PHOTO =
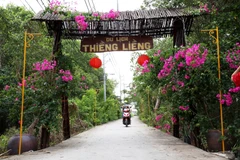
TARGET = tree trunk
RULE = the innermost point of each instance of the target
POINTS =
(176, 127)
(30, 129)
(65, 115)
(157, 104)
(45, 137)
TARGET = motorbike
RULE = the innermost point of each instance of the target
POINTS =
(126, 117)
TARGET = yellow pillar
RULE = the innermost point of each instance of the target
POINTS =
(23, 80)
(216, 40)
(26, 44)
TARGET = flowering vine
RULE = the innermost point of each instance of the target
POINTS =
(204, 8)
(233, 56)
(184, 108)
(82, 19)
(50, 65)
(66, 75)
(56, 7)
(233, 60)
(44, 66)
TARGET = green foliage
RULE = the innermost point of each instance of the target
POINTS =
(163, 118)
(5, 138)
(201, 90)
(3, 143)
(44, 101)
(92, 108)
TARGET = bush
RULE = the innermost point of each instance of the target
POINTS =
(4, 138)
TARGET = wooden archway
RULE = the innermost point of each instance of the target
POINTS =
(157, 23)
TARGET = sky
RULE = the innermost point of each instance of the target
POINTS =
(117, 64)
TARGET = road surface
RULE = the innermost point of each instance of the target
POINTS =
(113, 141)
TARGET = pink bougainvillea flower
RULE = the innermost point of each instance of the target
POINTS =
(174, 88)
(103, 16)
(174, 120)
(234, 90)
(145, 67)
(95, 14)
(20, 84)
(158, 117)
(151, 65)
(66, 75)
(163, 90)
(167, 127)
(184, 108)
(112, 14)
(226, 99)
(194, 58)
(167, 68)
(82, 24)
(180, 65)
(158, 127)
(45, 65)
(83, 78)
(33, 87)
(179, 55)
(204, 8)
(6, 87)
(187, 76)
(180, 83)
(158, 53)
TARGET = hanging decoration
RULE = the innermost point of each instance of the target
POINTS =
(95, 62)
(236, 79)
(142, 58)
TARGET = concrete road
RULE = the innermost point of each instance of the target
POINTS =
(113, 141)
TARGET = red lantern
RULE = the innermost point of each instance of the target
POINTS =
(236, 79)
(142, 58)
(95, 62)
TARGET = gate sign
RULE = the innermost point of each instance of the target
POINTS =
(106, 44)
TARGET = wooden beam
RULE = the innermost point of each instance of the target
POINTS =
(178, 40)
(57, 51)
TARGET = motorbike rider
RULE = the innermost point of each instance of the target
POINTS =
(127, 109)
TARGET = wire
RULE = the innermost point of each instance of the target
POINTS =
(94, 6)
(39, 4)
(86, 5)
(44, 3)
(30, 6)
(112, 59)
(90, 6)
(114, 67)
(23, 4)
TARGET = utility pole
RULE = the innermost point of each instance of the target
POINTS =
(117, 6)
(104, 79)
(120, 83)
(120, 89)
